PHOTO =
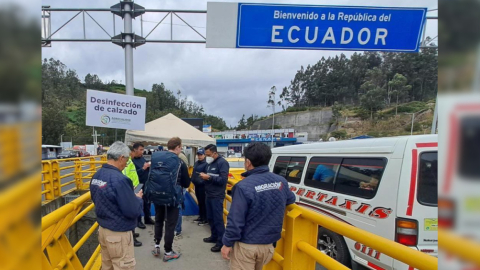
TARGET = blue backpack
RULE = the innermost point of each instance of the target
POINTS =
(161, 187)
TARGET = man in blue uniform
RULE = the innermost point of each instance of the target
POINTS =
(215, 180)
(198, 168)
(143, 168)
(257, 211)
(117, 209)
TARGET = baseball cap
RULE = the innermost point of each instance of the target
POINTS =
(201, 152)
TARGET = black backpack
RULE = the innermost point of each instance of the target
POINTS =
(161, 187)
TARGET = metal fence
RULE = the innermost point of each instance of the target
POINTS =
(52, 175)
(297, 249)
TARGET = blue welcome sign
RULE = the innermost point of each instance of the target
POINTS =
(273, 26)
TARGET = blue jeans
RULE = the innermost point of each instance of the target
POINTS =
(215, 219)
(178, 228)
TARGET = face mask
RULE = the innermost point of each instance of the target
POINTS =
(209, 160)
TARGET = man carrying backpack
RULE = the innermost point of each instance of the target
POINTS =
(168, 175)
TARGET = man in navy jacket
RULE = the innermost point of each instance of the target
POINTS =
(143, 169)
(215, 180)
(117, 209)
(256, 215)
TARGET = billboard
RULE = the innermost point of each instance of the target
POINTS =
(279, 26)
(207, 128)
(195, 122)
(112, 110)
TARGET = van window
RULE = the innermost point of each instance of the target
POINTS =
(290, 167)
(360, 176)
(321, 172)
(469, 148)
(427, 193)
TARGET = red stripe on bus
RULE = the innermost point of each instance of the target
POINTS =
(420, 145)
(413, 183)
(411, 268)
(452, 153)
(374, 266)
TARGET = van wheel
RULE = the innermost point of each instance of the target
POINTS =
(334, 246)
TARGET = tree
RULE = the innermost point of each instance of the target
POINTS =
(284, 99)
(242, 124)
(336, 110)
(399, 88)
(373, 100)
(54, 121)
(271, 97)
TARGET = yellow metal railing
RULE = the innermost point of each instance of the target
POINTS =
(52, 175)
(58, 253)
(297, 249)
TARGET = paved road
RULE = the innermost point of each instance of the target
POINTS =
(195, 253)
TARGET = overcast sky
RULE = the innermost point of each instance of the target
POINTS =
(227, 82)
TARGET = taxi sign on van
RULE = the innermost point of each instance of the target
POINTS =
(276, 26)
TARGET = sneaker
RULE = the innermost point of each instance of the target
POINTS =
(198, 219)
(136, 235)
(203, 223)
(156, 252)
(177, 235)
(172, 255)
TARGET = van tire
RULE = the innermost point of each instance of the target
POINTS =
(333, 245)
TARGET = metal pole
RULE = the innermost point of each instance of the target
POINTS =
(273, 119)
(113, 24)
(128, 50)
(84, 34)
(435, 118)
(411, 130)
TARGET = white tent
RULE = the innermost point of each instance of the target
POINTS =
(159, 131)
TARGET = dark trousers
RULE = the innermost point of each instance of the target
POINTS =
(146, 208)
(202, 207)
(169, 214)
(215, 218)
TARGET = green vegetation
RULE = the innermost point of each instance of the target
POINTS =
(64, 97)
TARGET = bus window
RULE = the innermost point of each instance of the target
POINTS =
(360, 176)
(321, 172)
(427, 193)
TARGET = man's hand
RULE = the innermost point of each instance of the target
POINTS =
(146, 165)
(226, 252)
(139, 194)
(204, 176)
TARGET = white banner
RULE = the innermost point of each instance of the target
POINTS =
(111, 110)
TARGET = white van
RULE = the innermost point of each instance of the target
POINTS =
(386, 186)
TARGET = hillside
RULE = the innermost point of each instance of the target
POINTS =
(64, 105)
(353, 121)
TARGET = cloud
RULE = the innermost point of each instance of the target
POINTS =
(227, 82)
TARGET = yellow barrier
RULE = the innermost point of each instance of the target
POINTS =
(297, 249)
(461, 247)
(57, 252)
(52, 176)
